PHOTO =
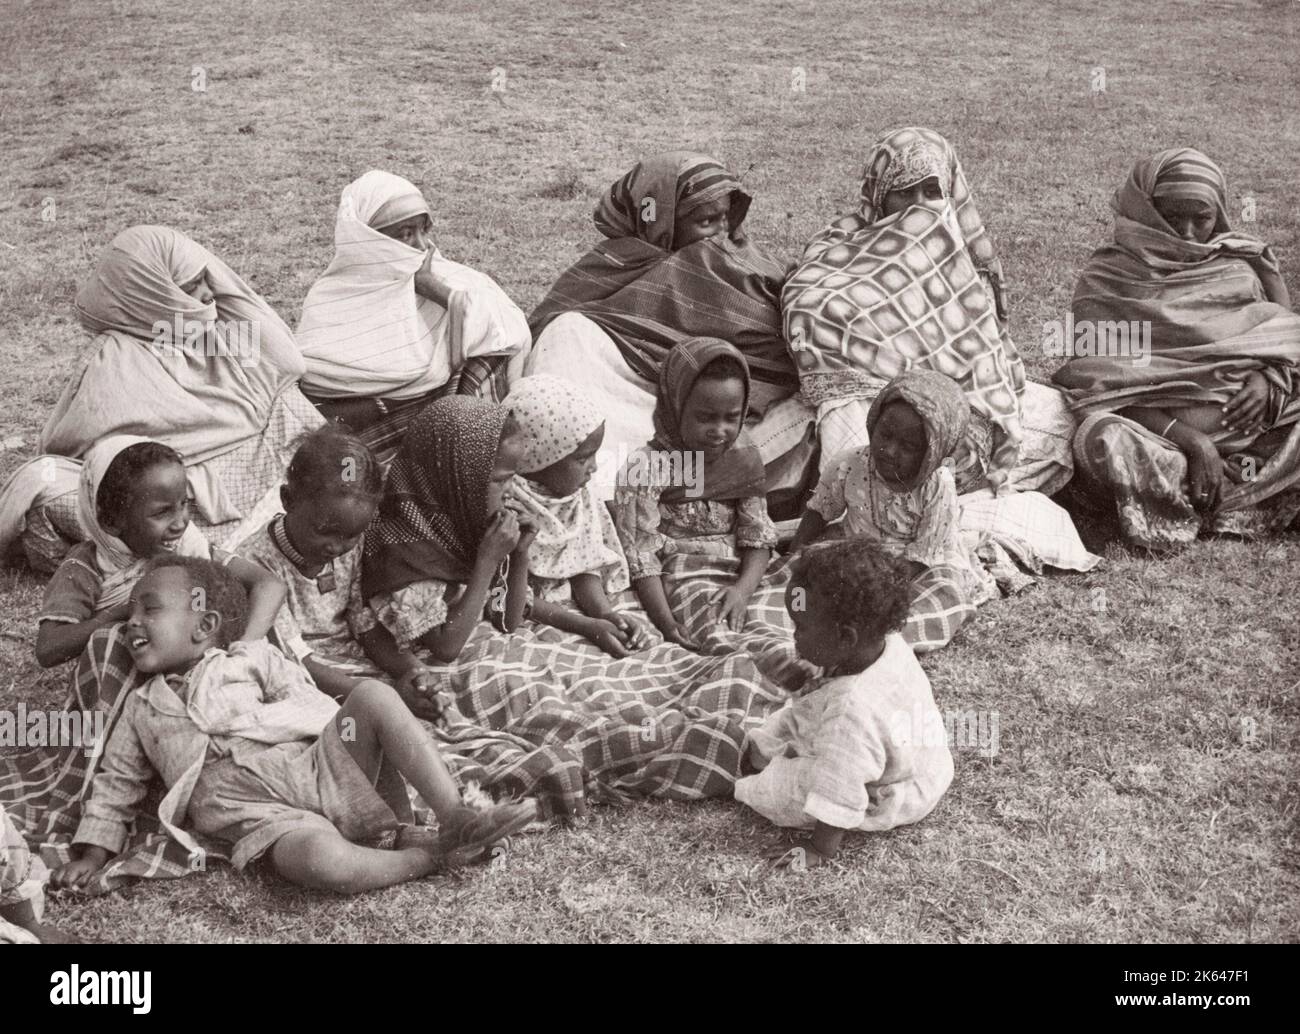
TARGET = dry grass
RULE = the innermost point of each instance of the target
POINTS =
(1128, 800)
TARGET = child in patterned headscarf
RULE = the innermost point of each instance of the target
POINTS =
(443, 551)
(698, 486)
(899, 492)
(576, 562)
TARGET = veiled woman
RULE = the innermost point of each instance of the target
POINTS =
(1200, 433)
(185, 353)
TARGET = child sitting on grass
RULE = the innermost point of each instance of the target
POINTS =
(133, 504)
(331, 493)
(862, 747)
(576, 560)
(443, 551)
(255, 756)
(899, 493)
(698, 486)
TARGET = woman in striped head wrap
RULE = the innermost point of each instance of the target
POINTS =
(675, 265)
(1194, 428)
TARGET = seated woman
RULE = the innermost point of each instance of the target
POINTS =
(1199, 433)
(910, 280)
(675, 266)
(188, 355)
(392, 324)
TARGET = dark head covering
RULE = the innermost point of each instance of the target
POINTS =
(942, 407)
(434, 511)
(646, 202)
(738, 472)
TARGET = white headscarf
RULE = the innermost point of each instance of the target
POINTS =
(364, 330)
(575, 534)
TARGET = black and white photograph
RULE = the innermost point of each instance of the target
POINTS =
(712, 472)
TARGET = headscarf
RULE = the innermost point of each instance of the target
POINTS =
(119, 568)
(575, 533)
(942, 407)
(1215, 311)
(738, 472)
(364, 330)
(434, 511)
(202, 405)
(647, 201)
(876, 295)
(648, 297)
(905, 157)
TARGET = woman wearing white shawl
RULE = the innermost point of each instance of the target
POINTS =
(187, 354)
(393, 324)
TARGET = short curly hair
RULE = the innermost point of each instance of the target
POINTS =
(333, 458)
(117, 486)
(221, 592)
(864, 586)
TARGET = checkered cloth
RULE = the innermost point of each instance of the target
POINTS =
(42, 790)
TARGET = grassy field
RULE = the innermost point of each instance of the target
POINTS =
(1145, 786)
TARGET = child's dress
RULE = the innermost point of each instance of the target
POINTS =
(75, 592)
(651, 530)
(922, 524)
(248, 750)
(866, 751)
(323, 615)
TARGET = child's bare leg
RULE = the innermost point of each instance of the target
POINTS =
(375, 724)
(324, 860)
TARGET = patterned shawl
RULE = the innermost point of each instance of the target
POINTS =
(648, 297)
(940, 404)
(737, 473)
(1216, 311)
(575, 533)
(434, 511)
(202, 401)
(364, 330)
(118, 566)
(876, 295)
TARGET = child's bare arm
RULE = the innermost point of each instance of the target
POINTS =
(589, 595)
(59, 641)
(266, 593)
(654, 599)
(811, 526)
(120, 784)
(416, 683)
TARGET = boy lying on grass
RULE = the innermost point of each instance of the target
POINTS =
(253, 755)
(863, 746)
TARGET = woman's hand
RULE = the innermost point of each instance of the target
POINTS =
(527, 533)
(1205, 471)
(1245, 410)
(429, 285)
(729, 606)
(501, 537)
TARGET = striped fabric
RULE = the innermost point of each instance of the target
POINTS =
(647, 297)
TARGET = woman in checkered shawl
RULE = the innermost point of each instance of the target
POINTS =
(908, 280)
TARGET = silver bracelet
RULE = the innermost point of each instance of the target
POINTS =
(1165, 432)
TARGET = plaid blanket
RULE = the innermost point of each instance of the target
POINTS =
(42, 789)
